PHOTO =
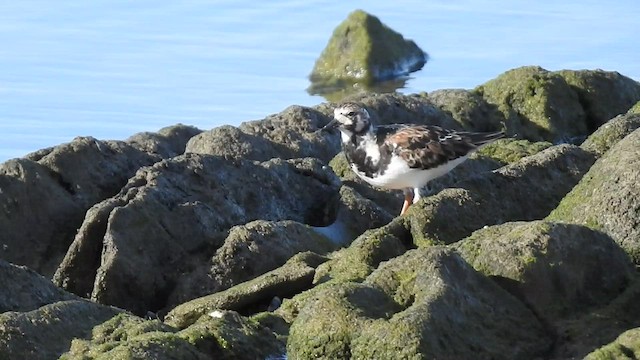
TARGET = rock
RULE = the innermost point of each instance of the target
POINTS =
(242, 257)
(537, 104)
(610, 133)
(401, 109)
(184, 206)
(47, 332)
(469, 109)
(355, 215)
(427, 303)
(507, 151)
(603, 94)
(293, 277)
(54, 192)
(626, 346)
(168, 142)
(558, 270)
(579, 336)
(357, 261)
(525, 190)
(225, 336)
(24, 290)
(362, 49)
(635, 109)
(608, 196)
(38, 217)
(287, 135)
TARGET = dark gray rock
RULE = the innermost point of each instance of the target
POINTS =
(469, 109)
(608, 196)
(293, 277)
(396, 108)
(47, 332)
(183, 207)
(287, 135)
(427, 303)
(610, 133)
(168, 142)
(242, 257)
(559, 270)
(44, 201)
(24, 289)
(525, 190)
(38, 217)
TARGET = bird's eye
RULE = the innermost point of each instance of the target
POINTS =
(351, 113)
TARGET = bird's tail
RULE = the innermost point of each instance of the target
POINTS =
(479, 139)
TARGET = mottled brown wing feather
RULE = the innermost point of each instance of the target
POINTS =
(426, 147)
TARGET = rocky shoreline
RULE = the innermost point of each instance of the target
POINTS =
(255, 241)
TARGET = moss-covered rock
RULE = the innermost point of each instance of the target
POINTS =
(576, 337)
(357, 261)
(427, 303)
(611, 132)
(291, 278)
(223, 335)
(469, 109)
(603, 94)
(557, 269)
(608, 196)
(635, 109)
(525, 190)
(626, 346)
(508, 151)
(47, 332)
(362, 49)
(537, 104)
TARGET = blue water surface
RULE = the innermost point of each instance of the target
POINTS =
(111, 68)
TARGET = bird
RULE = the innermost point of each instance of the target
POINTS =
(401, 156)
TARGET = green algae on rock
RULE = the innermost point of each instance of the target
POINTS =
(226, 335)
(537, 104)
(607, 198)
(508, 151)
(626, 346)
(557, 269)
(363, 49)
(468, 108)
(603, 94)
(426, 303)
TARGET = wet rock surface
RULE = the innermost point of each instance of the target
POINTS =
(258, 240)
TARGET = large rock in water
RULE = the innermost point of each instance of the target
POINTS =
(362, 49)
(607, 198)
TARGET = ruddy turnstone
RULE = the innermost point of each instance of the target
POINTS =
(402, 156)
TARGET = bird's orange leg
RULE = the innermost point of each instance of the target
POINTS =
(408, 200)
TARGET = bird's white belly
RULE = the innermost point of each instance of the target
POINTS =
(399, 175)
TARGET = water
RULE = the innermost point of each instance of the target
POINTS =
(110, 69)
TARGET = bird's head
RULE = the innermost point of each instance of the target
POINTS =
(350, 118)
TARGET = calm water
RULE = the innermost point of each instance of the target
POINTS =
(113, 68)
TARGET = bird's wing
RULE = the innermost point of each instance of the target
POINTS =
(426, 147)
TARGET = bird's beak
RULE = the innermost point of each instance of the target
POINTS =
(331, 125)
